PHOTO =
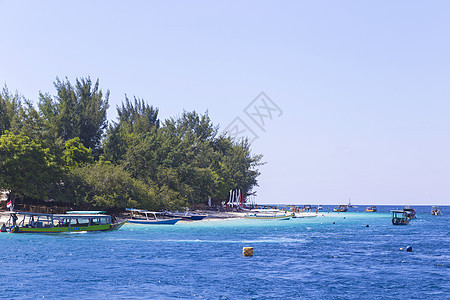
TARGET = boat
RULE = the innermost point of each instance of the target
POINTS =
(320, 207)
(400, 217)
(371, 209)
(435, 211)
(140, 216)
(187, 216)
(25, 222)
(411, 211)
(268, 216)
(341, 208)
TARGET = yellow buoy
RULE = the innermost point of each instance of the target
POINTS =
(247, 251)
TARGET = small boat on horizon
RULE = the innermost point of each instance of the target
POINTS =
(341, 208)
(400, 217)
(140, 216)
(371, 209)
(25, 222)
(435, 211)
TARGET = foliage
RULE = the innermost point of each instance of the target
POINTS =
(26, 169)
(76, 111)
(136, 161)
(10, 105)
(76, 154)
(108, 186)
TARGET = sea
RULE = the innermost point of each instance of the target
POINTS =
(351, 255)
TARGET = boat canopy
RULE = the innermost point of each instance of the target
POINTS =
(86, 212)
(143, 211)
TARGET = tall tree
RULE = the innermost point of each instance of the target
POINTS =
(77, 111)
(10, 105)
(26, 169)
(133, 119)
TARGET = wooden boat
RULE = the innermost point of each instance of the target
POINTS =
(140, 216)
(187, 216)
(268, 216)
(341, 208)
(411, 211)
(400, 217)
(435, 211)
(24, 222)
(371, 209)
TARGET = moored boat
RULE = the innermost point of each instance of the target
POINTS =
(268, 216)
(411, 211)
(435, 211)
(187, 216)
(24, 222)
(400, 217)
(371, 209)
(341, 208)
(140, 216)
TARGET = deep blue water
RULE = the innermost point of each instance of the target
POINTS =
(299, 258)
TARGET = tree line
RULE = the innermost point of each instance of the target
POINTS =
(65, 150)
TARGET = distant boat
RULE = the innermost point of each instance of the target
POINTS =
(268, 216)
(341, 208)
(400, 217)
(435, 211)
(411, 211)
(371, 209)
(140, 216)
(319, 207)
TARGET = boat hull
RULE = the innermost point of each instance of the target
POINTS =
(154, 222)
(105, 227)
(260, 217)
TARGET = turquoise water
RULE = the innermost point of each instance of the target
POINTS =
(299, 258)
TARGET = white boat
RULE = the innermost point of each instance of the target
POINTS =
(140, 216)
(268, 216)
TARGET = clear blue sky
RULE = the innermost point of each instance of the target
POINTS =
(364, 85)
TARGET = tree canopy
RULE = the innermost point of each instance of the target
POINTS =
(137, 160)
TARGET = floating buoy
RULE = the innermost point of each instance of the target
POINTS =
(409, 249)
(401, 248)
(247, 251)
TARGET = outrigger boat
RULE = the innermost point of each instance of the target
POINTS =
(268, 216)
(140, 216)
(400, 217)
(187, 216)
(411, 211)
(435, 211)
(25, 222)
(371, 209)
(341, 208)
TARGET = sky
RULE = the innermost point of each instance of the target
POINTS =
(357, 93)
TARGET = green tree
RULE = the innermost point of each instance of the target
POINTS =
(138, 118)
(77, 111)
(26, 169)
(10, 105)
(76, 154)
(107, 186)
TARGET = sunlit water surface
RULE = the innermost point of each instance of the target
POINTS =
(299, 258)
